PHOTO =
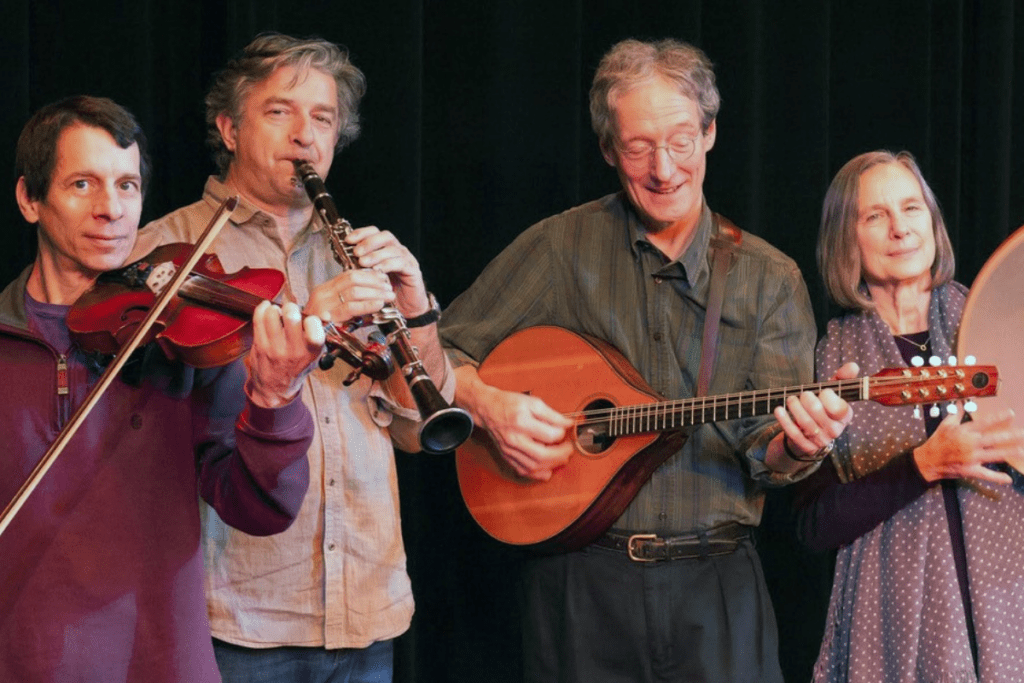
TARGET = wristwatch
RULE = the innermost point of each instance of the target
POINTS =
(428, 318)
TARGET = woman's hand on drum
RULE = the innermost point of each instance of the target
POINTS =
(961, 450)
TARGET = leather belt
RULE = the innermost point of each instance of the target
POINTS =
(652, 548)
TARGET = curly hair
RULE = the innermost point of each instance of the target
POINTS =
(630, 62)
(258, 60)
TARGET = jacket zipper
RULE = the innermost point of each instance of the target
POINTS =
(62, 389)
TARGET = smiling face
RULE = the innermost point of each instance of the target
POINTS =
(89, 218)
(289, 115)
(895, 232)
(664, 188)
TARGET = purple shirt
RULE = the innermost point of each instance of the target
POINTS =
(101, 574)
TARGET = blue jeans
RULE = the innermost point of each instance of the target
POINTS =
(304, 664)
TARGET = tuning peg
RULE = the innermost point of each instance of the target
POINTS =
(917, 361)
(952, 409)
(935, 361)
(970, 360)
(917, 412)
(970, 407)
(952, 360)
(934, 411)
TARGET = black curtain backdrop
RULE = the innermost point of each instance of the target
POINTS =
(475, 126)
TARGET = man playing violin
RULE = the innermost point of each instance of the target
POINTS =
(102, 575)
(326, 598)
(674, 591)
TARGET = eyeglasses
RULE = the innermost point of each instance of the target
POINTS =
(679, 148)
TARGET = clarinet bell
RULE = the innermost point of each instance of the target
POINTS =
(445, 430)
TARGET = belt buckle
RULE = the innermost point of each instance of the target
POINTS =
(631, 551)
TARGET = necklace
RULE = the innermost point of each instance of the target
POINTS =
(923, 345)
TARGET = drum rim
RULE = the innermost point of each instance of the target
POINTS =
(977, 291)
(975, 326)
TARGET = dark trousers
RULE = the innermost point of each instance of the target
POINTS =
(595, 616)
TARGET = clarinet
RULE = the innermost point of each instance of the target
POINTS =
(444, 427)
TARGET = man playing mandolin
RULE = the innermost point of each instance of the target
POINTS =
(102, 574)
(674, 590)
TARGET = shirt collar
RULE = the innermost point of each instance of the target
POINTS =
(216, 192)
(693, 261)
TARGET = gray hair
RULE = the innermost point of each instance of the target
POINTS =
(258, 60)
(838, 253)
(631, 62)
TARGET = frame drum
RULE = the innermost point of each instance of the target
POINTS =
(992, 327)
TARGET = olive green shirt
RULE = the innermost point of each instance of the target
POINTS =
(592, 270)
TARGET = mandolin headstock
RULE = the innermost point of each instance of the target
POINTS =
(910, 386)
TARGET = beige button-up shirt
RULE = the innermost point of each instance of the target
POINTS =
(337, 577)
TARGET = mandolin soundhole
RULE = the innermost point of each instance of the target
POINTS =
(593, 435)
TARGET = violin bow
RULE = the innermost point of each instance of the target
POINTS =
(57, 447)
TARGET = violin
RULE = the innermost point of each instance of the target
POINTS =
(207, 324)
(142, 329)
(181, 298)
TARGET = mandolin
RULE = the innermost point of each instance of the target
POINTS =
(625, 430)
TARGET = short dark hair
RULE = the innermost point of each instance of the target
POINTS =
(261, 58)
(838, 253)
(36, 154)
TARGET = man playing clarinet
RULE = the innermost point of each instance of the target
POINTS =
(326, 598)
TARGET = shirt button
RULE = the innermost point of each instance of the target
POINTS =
(330, 483)
(330, 546)
(327, 419)
(657, 336)
(657, 280)
(663, 516)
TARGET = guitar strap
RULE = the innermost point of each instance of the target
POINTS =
(724, 244)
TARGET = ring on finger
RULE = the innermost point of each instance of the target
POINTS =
(341, 297)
